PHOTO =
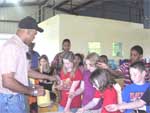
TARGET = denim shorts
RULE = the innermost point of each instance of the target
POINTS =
(10, 103)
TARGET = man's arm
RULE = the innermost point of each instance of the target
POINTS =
(9, 82)
(116, 73)
(37, 75)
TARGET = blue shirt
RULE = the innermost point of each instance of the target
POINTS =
(34, 59)
(133, 92)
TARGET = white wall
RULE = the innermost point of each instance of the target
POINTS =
(48, 41)
(82, 29)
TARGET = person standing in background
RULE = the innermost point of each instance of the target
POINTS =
(34, 56)
(136, 54)
(57, 61)
(79, 61)
(14, 69)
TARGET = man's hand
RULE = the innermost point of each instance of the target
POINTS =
(52, 78)
(40, 90)
(102, 65)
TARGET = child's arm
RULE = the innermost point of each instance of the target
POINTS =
(72, 89)
(90, 105)
(131, 105)
(78, 91)
(118, 90)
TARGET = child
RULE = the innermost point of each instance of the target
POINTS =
(101, 80)
(134, 91)
(79, 61)
(145, 99)
(88, 101)
(70, 81)
(136, 54)
(44, 67)
(103, 59)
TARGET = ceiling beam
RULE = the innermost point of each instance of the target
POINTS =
(66, 11)
(11, 21)
(84, 4)
(61, 4)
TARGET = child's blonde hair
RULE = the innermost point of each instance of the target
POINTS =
(69, 56)
(47, 67)
(93, 58)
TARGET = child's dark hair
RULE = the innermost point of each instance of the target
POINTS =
(66, 40)
(103, 78)
(104, 58)
(138, 65)
(138, 48)
(81, 58)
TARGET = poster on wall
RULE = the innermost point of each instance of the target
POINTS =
(94, 47)
(117, 49)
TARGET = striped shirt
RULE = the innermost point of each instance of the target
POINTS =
(124, 68)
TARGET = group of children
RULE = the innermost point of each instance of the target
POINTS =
(97, 87)
(89, 87)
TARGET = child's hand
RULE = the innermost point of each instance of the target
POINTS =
(111, 107)
(71, 94)
(80, 110)
(67, 110)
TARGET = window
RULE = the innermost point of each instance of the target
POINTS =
(94, 47)
(117, 49)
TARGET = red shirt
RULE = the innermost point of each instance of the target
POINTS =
(109, 96)
(67, 79)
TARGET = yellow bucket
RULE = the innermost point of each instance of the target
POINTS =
(44, 101)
